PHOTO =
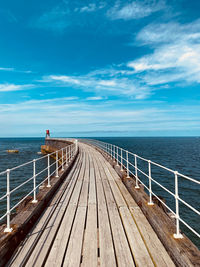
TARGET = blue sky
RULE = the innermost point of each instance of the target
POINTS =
(100, 68)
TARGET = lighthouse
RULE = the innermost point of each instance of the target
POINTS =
(47, 133)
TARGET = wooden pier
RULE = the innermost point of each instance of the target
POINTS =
(91, 221)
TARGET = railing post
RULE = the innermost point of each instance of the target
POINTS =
(150, 191)
(62, 160)
(34, 182)
(8, 229)
(117, 156)
(136, 173)
(121, 160)
(76, 145)
(49, 184)
(178, 234)
(69, 153)
(111, 152)
(57, 164)
(127, 165)
(66, 156)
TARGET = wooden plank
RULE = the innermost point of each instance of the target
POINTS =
(151, 240)
(30, 242)
(73, 253)
(75, 197)
(40, 252)
(85, 186)
(92, 185)
(84, 195)
(107, 254)
(116, 192)
(123, 253)
(106, 248)
(87, 169)
(58, 248)
(81, 175)
(127, 196)
(139, 250)
(90, 246)
(97, 175)
(117, 195)
(162, 258)
(132, 204)
(108, 193)
(59, 245)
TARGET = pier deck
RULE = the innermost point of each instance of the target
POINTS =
(92, 221)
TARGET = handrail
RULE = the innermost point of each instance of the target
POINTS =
(67, 154)
(122, 158)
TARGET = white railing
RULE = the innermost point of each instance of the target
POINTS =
(62, 157)
(122, 158)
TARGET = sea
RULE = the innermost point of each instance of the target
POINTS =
(177, 153)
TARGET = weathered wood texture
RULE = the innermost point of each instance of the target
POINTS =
(28, 213)
(183, 252)
(94, 222)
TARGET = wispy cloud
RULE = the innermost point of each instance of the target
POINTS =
(7, 69)
(55, 19)
(136, 9)
(6, 87)
(106, 85)
(58, 18)
(91, 7)
(107, 116)
(176, 55)
(14, 70)
(94, 98)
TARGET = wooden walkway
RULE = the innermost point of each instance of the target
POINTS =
(92, 221)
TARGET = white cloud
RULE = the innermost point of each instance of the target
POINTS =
(7, 87)
(135, 10)
(94, 98)
(106, 116)
(89, 8)
(154, 34)
(7, 69)
(65, 79)
(176, 55)
(106, 85)
(15, 70)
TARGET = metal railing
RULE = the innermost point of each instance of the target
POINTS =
(129, 161)
(62, 157)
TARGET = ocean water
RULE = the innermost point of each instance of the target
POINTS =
(28, 148)
(177, 153)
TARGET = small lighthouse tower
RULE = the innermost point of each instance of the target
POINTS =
(47, 133)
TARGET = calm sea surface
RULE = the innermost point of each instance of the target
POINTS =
(178, 153)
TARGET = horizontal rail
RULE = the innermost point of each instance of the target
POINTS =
(122, 158)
